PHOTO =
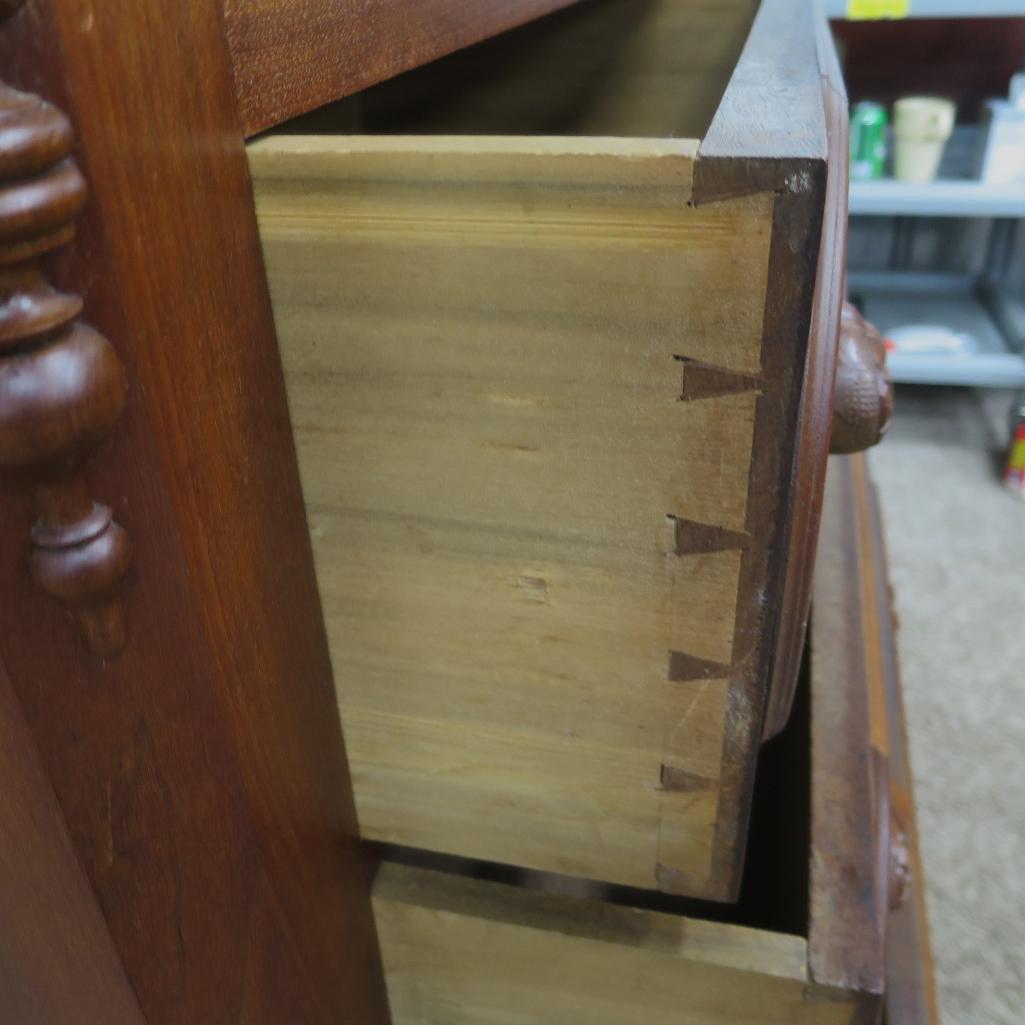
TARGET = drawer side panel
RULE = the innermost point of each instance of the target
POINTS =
(462, 952)
(523, 387)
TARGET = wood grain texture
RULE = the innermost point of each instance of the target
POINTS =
(290, 56)
(481, 341)
(58, 965)
(910, 974)
(463, 952)
(854, 652)
(62, 387)
(850, 775)
(863, 397)
(459, 950)
(438, 229)
(202, 773)
(815, 417)
(770, 133)
(772, 108)
(654, 69)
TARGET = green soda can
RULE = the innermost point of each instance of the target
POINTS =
(868, 141)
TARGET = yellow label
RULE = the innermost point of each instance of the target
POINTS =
(865, 10)
(1017, 460)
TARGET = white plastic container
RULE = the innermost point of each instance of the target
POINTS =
(921, 127)
(1002, 155)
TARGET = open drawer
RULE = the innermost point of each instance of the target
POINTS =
(557, 316)
(808, 941)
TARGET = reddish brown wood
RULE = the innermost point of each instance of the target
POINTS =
(62, 387)
(58, 965)
(850, 779)
(966, 59)
(863, 397)
(876, 932)
(869, 928)
(910, 975)
(202, 773)
(811, 447)
(290, 57)
(770, 135)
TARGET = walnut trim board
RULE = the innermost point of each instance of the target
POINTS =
(200, 772)
(544, 392)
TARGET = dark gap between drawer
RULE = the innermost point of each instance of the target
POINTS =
(774, 892)
(620, 68)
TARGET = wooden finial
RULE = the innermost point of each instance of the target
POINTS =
(863, 401)
(62, 387)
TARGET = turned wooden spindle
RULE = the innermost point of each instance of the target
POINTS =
(863, 400)
(62, 387)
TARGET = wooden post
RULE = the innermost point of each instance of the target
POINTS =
(201, 772)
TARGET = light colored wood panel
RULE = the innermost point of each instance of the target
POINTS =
(539, 668)
(464, 952)
(546, 435)
(483, 341)
(594, 235)
(519, 799)
(432, 604)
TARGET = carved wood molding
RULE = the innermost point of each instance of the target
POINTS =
(863, 401)
(62, 386)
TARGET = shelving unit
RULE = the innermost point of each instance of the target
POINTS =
(937, 199)
(944, 9)
(977, 305)
(974, 305)
(955, 301)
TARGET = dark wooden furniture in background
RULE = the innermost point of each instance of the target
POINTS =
(969, 60)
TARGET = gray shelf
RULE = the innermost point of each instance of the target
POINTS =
(937, 199)
(945, 9)
(994, 364)
(902, 282)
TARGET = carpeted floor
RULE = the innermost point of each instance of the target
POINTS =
(957, 556)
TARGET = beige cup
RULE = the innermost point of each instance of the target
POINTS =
(921, 127)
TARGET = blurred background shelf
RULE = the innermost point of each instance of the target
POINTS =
(992, 318)
(950, 198)
(944, 9)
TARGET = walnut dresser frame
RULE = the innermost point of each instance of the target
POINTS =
(177, 832)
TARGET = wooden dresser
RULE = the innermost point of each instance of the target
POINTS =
(456, 378)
